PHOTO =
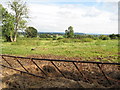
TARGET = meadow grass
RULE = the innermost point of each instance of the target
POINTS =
(95, 48)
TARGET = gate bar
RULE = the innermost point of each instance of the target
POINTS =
(21, 71)
(58, 69)
(21, 65)
(80, 72)
(7, 61)
(63, 60)
(104, 74)
(39, 67)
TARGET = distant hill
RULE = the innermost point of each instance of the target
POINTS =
(59, 33)
(51, 32)
(76, 33)
(62, 33)
(96, 34)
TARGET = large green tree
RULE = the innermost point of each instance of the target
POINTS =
(8, 25)
(70, 32)
(20, 12)
(1, 12)
(15, 21)
(31, 32)
(1, 20)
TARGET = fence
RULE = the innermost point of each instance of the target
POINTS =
(85, 69)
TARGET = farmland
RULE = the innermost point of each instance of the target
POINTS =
(69, 49)
(95, 50)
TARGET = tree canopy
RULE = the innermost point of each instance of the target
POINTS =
(69, 33)
(12, 22)
(8, 25)
(31, 32)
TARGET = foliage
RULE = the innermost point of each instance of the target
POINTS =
(45, 36)
(87, 40)
(1, 7)
(104, 37)
(70, 40)
(113, 36)
(20, 11)
(31, 32)
(59, 38)
(95, 37)
(8, 25)
(69, 33)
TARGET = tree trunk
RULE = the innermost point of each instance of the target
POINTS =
(16, 29)
(11, 39)
(15, 37)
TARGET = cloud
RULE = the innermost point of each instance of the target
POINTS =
(84, 17)
(73, 0)
(57, 18)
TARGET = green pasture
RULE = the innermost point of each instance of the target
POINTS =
(62, 47)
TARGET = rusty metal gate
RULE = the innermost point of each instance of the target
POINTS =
(79, 70)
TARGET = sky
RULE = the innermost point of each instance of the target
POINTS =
(86, 16)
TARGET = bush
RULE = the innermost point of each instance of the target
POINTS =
(106, 38)
(68, 40)
(31, 32)
(65, 40)
(76, 40)
(59, 38)
(54, 37)
(86, 39)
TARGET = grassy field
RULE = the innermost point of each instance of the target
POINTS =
(105, 49)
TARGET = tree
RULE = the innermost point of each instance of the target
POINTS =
(113, 36)
(104, 37)
(20, 12)
(1, 7)
(31, 32)
(1, 20)
(70, 32)
(8, 25)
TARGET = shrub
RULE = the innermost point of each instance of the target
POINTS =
(106, 38)
(76, 40)
(54, 37)
(66, 40)
(59, 38)
(87, 40)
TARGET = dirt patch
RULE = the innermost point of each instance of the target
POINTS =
(91, 76)
(25, 81)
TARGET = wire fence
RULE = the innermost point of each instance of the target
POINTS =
(88, 71)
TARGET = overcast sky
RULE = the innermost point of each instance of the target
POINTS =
(95, 16)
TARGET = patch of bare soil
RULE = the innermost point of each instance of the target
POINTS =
(91, 76)
(26, 81)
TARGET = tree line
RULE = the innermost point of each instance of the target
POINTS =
(13, 23)
(69, 33)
